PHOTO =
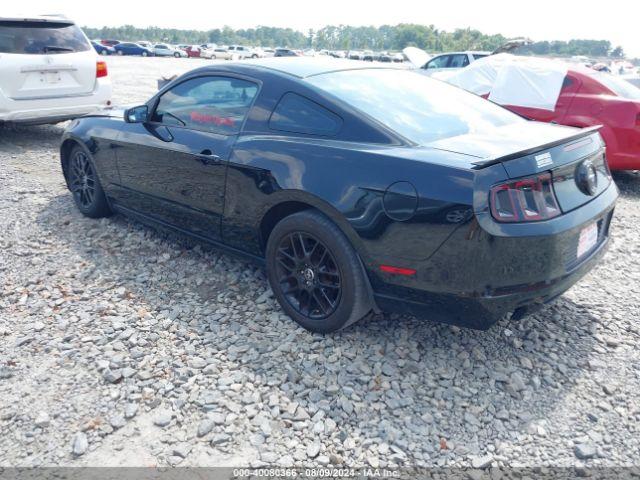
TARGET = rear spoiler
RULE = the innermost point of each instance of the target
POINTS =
(523, 153)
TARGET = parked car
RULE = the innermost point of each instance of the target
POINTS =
(166, 50)
(486, 213)
(244, 52)
(222, 54)
(129, 48)
(103, 49)
(49, 72)
(195, 51)
(568, 94)
(110, 43)
(286, 52)
(456, 60)
(268, 52)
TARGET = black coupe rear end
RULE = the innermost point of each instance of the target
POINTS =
(359, 188)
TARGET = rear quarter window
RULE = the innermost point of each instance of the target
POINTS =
(36, 38)
(297, 114)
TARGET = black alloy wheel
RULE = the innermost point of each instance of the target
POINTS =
(308, 275)
(85, 185)
(315, 273)
(83, 180)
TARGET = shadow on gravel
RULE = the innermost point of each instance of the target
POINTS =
(628, 183)
(403, 379)
(36, 136)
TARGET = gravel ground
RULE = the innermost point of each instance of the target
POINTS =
(120, 345)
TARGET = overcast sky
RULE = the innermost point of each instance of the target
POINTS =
(615, 20)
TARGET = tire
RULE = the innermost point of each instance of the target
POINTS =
(85, 185)
(323, 256)
(145, 54)
(104, 52)
(177, 55)
(213, 57)
(120, 52)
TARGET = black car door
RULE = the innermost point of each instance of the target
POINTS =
(172, 168)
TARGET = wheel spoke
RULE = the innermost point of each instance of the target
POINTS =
(318, 300)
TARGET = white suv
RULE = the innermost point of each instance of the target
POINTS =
(49, 72)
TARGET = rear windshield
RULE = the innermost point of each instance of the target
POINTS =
(37, 38)
(418, 108)
(618, 86)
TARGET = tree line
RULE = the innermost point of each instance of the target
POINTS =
(344, 37)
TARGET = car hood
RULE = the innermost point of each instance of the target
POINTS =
(416, 56)
(507, 141)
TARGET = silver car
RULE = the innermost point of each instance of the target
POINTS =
(166, 50)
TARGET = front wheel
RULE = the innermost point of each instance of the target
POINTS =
(145, 54)
(315, 273)
(120, 52)
(85, 185)
(177, 55)
(104, 52)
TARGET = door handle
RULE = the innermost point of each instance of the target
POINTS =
(207, 157)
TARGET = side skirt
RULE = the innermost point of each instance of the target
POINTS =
(257, 260)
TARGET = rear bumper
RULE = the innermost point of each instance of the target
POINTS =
(57, 109)
(476, 278)
(481, 312)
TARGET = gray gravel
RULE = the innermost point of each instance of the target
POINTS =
(120, 345)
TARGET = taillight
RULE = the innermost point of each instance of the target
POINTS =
(638, 120)
(525, 200)
(101, 69)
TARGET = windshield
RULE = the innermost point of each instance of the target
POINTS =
(618, 86)
(41, 37)
(418, 108)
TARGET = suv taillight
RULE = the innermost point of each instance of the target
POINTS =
(101, 69)
(525, 200)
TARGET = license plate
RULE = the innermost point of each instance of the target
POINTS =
(52, 77)
(588, 239)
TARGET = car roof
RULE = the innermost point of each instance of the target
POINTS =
(38, 18)
(303, 67)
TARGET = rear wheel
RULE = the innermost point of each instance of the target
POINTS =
(85, 185)
(145, 54)
(120, 52)
(104, 52)
(177, 55)
(315, 273)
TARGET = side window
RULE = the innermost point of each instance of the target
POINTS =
(459, 61)
(298, 114)
(215, 104)
(439, 62)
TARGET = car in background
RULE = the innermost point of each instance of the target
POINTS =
(567, 94)
(244, 52)
(195, 51)
(145, 44)
(130, 48)
(49, 71)
(452, 60)
(269, 52)
(110, 43)
(286, 52)
(477, 222)
(166, 50)
(102, 49)
(221, 53)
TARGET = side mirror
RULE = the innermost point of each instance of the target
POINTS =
(138, 114)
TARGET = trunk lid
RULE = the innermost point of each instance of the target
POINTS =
(45, 59)
(575, 157)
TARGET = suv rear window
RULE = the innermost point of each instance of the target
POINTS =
(36, 38)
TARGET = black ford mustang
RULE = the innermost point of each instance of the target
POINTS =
(360, 188)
